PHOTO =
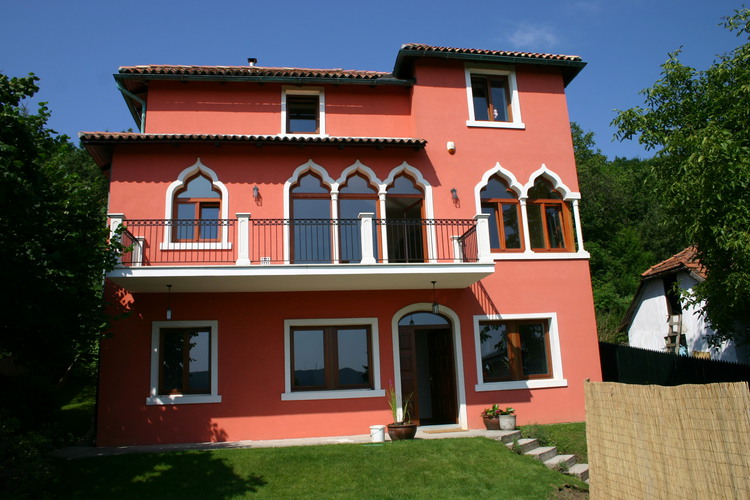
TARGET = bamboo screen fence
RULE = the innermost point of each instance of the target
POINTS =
(656, 442)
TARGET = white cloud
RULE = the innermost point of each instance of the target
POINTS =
(533, 38)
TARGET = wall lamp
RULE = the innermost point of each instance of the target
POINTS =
(435, 305)
(256, 193)
(169, 305)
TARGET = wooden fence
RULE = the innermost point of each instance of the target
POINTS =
(688, 441)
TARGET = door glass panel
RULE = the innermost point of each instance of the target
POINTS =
(554, 226)
(510, 225)
(536, 230)
(185, 229)
(349, 227)
(533, 349)
(494, 234)
(309, 360)
(311, 230)
(353, 357)
(494, 349)
(209, 227)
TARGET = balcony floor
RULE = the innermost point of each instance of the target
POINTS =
(298, 277)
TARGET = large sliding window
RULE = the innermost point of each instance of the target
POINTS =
(331, 358)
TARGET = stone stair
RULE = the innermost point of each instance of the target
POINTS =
(545, 454)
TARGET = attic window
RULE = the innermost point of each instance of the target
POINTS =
(493, 98)
(303, 112)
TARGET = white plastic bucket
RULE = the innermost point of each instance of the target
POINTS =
(377, 433)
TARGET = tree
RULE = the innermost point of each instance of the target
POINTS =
(54, 240)
(699, 124)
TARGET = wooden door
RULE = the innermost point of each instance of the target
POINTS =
(408, 360)
(442, 377)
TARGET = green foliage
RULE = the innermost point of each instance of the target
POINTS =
(25, 469)
(624, 226)
(699, 125)
(54, 240)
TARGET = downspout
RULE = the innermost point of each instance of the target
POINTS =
(139, 100)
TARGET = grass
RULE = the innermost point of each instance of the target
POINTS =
(78, 400)
(569, 438)
(443, 468)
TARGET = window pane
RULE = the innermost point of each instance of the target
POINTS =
(533, 349)
(171, 362)
(423, 318)
(353, 357)
(199, 187)
(494, 234)
(495, 189)
(536, 230)
(209, 230)
(494, 348)
(311, 230)
(403, 185)
(554, 226)
(309, 359)
(510, 225)
(480, 98)
(302, 113)
(309, 183)
(200, 349)
(349, 227)
(185, 226)
(542, 190)
(498, 92)
(358, 185)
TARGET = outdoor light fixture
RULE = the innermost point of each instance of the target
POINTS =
(454, 194)
(256, 193)
(451, 146)
(169, 306)
(435, 306)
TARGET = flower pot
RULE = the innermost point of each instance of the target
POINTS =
(507, 422)
(397, 432)
(491, 423)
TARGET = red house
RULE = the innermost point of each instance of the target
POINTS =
(298, 240)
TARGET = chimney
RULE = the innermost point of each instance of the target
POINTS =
(251, 61)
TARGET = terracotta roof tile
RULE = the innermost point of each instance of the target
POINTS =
(454, 50)
(257, 71)
(686, 259)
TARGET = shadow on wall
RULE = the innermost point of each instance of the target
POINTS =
(484, 299)
(181, 475)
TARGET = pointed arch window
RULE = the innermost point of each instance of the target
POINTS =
(310, 220)
(197, 208)
(501, 204)
(356, 196)
(549, 219)
(404, 211)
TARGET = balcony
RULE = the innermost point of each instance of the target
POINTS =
(245, 254)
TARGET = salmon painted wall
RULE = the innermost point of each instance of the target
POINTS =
(255, 109)
(251, 359)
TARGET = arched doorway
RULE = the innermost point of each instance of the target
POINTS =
(427, 361)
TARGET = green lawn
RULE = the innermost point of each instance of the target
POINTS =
(444, 468)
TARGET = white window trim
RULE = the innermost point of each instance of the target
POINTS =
(557, 379)
(517, 122)
(375, 392)
(285, 91)
(169, 399)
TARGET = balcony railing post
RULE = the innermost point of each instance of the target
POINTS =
(368, 251)
(458, 253)
(484, 252)
(115, 221)
(243, 239)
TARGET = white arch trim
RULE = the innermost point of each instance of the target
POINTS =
(197, 168)
(358, 167)
(557, 183)
(308, 166)
(463, 421)
(505, 174)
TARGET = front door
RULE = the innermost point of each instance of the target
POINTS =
(428, 368)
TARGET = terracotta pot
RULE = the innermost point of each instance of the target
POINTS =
(491, 423)
(398, 432)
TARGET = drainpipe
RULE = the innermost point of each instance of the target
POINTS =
(139, 100)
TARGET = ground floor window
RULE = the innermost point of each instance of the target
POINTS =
(331, 358)
(184, 362)
(517, 351)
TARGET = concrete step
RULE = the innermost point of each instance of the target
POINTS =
(562, 462)
(523, 445)
(542, 453)
(505, 436)
(581, 471)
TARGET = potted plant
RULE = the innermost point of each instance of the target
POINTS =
(402, 427)
(495, 418)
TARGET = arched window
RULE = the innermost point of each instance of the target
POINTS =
(501, 204)
(404, 206)
(550, 226)
(356, 196)
(311, 220)
(196, 210)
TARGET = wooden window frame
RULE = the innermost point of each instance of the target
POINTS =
(330, 358)
(292, 94)
(198, 205)
(486, 81)
(514, 350)
(186, 333)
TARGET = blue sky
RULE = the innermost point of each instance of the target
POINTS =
(75, 46)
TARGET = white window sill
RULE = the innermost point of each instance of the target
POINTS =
(178, 399)
(350, 394)
(521, 384)
(540, 255)
(489, 124)
(217, 245)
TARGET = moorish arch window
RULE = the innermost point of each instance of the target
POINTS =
(196, 209)
(404, 211)
(501, 204)
(549, 219)
(357, 195)
(310, 220)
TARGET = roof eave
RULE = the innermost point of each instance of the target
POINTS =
(289, 80)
